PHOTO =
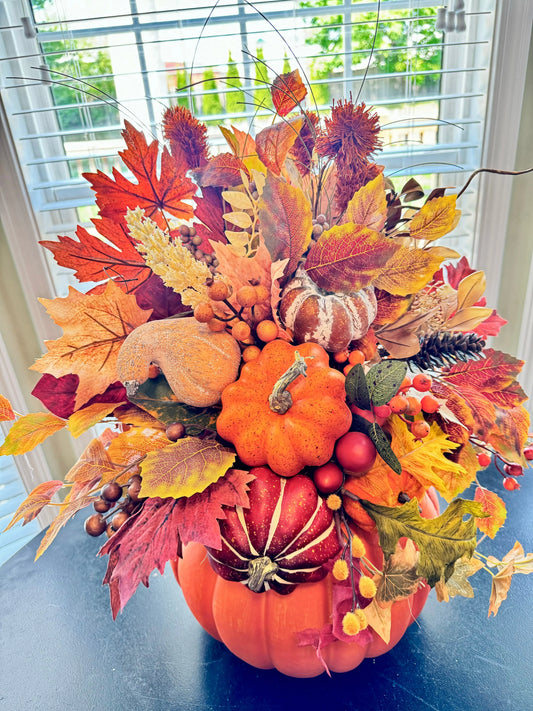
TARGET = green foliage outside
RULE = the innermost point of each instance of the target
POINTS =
(262, 96)
(182, 81)
(392, 32)
(235, 100)
(211, 103)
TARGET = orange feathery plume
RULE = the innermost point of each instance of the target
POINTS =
(187, 137)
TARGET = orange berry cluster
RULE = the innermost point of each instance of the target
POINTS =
(246, 297)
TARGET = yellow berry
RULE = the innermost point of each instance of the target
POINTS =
(367, 587)
(362, 618)
(351, 624)
(340, 569)
(334, 502)
(358, 547)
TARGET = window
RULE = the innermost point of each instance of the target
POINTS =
(72, 72)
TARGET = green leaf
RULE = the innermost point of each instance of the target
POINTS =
(356, 388)
(384, 380)
(156, 397)
(441, 541)
(382, 444)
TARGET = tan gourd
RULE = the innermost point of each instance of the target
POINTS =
(197, 363)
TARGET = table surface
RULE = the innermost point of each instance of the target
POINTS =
(60, 649)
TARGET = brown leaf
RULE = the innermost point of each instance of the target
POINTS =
(400, 337)
(470, 289)
(94, 328)
(514, 562)
(467, 319)
(457, 583)
(368, 206)
(274, 142)
(184, 468)
(380, 619)
(35, 502)
(399, 579)
(286, 221)
(348, 257)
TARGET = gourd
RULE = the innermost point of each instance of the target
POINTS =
(332, 320)
(262, 629)
(283, 538)
(286, 410)
(197, 363)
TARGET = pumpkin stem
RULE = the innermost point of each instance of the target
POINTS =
(259, 570)
(280, 399)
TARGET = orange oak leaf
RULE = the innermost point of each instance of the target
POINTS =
(95, 259)
(29, 431)
(368, 206)
(274, 142)
(348, 257)
(184, 468)
(286, 221)
(495, 509)
(6, 411)
(287, 91)
(409, 270)
(223, 171)
(82, 420)
(35, 502)
(152, 192)
(94, 328)
(435, 219)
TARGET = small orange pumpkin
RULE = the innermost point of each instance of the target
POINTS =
(275, 415)
(262, 629)
(197, 363)
(331, 320)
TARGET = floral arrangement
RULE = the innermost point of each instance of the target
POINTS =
(289, 366)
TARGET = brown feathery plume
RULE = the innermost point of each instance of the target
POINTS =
(302, 149)
(187, 137)
(350, 179)
(352, 131)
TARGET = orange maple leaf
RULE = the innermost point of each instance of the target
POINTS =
(6, 411)
(287, 91)
(495, 509)
(94, 328)
(152, 192)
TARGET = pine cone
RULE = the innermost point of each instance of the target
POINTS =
(441, 349)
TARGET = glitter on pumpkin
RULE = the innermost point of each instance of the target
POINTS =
(367, 587)
(340, 569)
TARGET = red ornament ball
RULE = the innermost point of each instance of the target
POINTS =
(328, 478)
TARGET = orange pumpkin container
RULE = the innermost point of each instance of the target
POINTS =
(285, 534)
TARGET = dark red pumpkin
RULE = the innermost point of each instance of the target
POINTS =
(263, 629)
(282, 539)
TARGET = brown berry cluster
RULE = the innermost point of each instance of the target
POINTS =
(319, 225)
(192, 241)
(114, 506)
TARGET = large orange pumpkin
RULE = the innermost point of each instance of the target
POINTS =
(262, 628)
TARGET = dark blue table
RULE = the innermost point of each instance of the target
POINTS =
(60, 649)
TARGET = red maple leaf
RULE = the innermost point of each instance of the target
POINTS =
(94, 259)
(287, 91)
(148, 540)
(151, 192)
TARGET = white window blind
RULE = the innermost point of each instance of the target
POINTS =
(72, 72)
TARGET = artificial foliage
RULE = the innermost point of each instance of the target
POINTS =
(236, 419)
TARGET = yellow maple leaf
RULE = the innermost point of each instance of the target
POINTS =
(409, 270)
(29, 431)
(435, 219)
(425, 459)
(185, 468)
(494, 507)
(94, 328)
(368, 206)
